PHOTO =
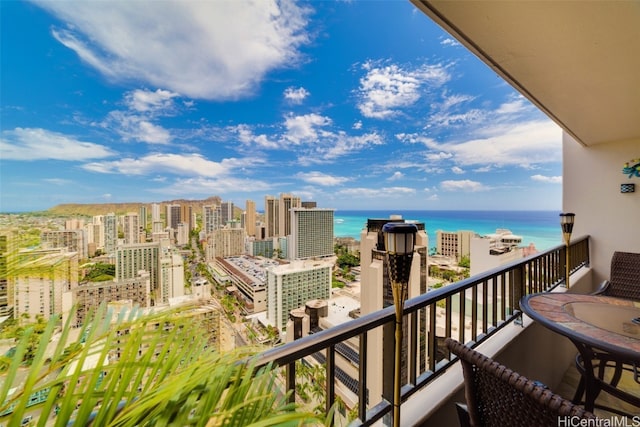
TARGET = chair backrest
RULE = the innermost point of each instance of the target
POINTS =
(624, 279)
(497, 396)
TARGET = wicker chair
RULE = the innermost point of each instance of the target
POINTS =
(624, 282)
(624, 278)
(497, 396)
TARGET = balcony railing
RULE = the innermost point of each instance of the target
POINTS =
(470, 310)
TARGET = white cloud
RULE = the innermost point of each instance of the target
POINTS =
(438, 156)
(368, 193)
(42, 144)
(520, 144)
(247, 137)
(296, 95)
(334, 145)
(58, 181)
(457, 170)
(385, 90)
(512, 107)
(396, 176)
(484, 169)
(547, 179)
(146, 101)
(134, 127)
(448, 41)
(176, 164)
(320, 178)
(301, 129)
(207, 186)
(138, 122)
(200, 49)
(463, 185)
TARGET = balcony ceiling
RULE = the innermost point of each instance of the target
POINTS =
(578, 61)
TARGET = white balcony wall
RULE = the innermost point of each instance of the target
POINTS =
(591, 189)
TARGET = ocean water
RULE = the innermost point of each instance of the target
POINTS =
(542, 228)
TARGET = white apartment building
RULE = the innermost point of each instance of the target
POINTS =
(165, 267)
(277, 214)
(210, 218)
(155, 212)
(286, 203)
(182, 234)
(72, 240)
(156, 222)
(250, 218)
(144, 216)
(271, 215)
(224, 243)
(95, 231)
(131, 228)
(173, 216)
(494, 250)
(227, 213)
(41, 282)
(110, 224)
(171, 280)
(290, 286)
(8, 256)
(311, 233)
(89, 296)
(455, 244)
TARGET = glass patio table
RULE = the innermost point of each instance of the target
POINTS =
(602, 329)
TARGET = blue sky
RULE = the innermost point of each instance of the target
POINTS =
(355, 104)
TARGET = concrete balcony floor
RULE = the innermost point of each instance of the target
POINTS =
(570, 381)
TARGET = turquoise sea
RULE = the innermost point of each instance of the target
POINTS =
(542, 228)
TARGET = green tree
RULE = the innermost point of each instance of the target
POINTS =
(348, 260)
(100, 272)
(465, 261)
(164, 376)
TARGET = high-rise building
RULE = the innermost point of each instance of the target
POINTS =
(455, 244)
(376, 292)
(73, 240)
(250, 218)
(156, 221)
(173, 214)
(224, 243)
(286, 202)
(271, 209)
(8, 248)
(41, 282)
(290, 286)
(143, 217)
(131, 259)
(311, 233)
(131, 228)
(182, 234)
(155, 212)
(95, 231)
(164, 265)
(110, 232)
(210, 218)
(186, 214)
(171, 277)
(89, 296)
(227, 211)
(74, 224)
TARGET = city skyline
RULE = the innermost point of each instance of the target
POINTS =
(355, 105)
